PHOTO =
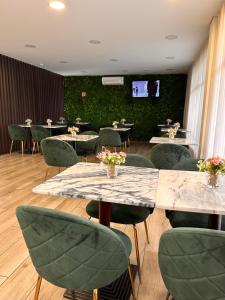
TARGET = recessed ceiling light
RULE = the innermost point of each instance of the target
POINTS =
(171, 37)
(113, 59)
(30, 46)
(94, 42)
(57, 5)
(41, 65)
(170, 57)
(63, 62)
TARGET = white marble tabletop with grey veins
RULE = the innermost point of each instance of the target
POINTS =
(133, 185)
(188, 191)
(75, 138)
(177, 141)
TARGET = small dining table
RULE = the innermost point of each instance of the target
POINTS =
(44, 126)
(177, 141)
(119, 129)
(74, 138)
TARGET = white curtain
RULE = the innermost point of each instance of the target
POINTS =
(194, 99)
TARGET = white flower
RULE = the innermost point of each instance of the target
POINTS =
(78, 119)
(61, 119)
(49, 121)
(28, 121)
(115, 123)
(123, 120)
(73, 129)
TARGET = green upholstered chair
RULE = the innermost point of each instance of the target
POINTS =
(187, 165)
(109, 138)
(18, 133)
(192, 263)
(166, 156)
(38, 134)
(87, 148)
(127, 214)
(72, 252)
(58, 154)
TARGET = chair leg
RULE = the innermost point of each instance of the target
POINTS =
(46, 173)
(137, 252)
(131, 282)
(38, 147)
(146, 230)
(22, 147)
(95, 294)
(37, 289)
(34, 147)
(11, 147)
(59, 170)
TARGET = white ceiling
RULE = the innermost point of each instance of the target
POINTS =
(132, 31)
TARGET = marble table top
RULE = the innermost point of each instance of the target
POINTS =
(75, 138)
(118, 128)
(82, 123)
(132, 186)
(177, 141)
(188, 191)
(45, 126)
(179, 129)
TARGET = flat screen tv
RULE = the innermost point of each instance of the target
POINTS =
(148, 89)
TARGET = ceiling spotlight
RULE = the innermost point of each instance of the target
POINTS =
(170, 57)
(113, 59)
(171, 37)
(63, 62)
(30, 46)
(57, 5)
(94, 42)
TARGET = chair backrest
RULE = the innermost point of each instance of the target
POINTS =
(109, 138)
(89, 146)
(137, 160)
(166, 156)
(17, 133)
(187, 165)
(69, 251)
(58, 153)
(39, 133)
(192, 263)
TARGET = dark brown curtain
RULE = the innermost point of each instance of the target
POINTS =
(27, 91)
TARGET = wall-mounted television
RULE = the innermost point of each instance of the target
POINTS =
(149, 89)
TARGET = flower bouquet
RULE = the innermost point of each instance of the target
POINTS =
(214, 166)
(176, 125)
(111, 159)
(62, 120)
(168, 121)
(171, 132)
(122, 121)
(78, 120)
(73, 130)
(115, 123)
(49, 122)
(28, 122)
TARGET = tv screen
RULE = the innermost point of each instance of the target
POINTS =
(146, 89)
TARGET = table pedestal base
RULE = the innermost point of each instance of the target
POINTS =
(120, 289)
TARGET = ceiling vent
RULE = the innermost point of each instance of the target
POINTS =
(112, 80)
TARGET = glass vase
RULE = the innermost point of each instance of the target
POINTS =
(73, 133)
(212, 181)
(111, 171)
(171, 137)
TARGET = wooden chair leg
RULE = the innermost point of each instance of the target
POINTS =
(146, 230)
(22, 147)
(137, 252)
(37, 289)
(59, 170)
(11, 147)
(46, 173)
(95, 294)
(131, 282)
(38, 147)
(34, 147)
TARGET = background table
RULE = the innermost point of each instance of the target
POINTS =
(188, 191)
(120, 129)
(75, 138)
(177, 141)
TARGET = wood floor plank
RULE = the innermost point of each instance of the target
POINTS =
(17, 275)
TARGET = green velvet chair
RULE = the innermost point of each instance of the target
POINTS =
(72, 252)
(192, 263)
(109, 138)
(166, 156)
(18, 133)
(58, 154)
(38, 134)
(86, 149)
(127, 214)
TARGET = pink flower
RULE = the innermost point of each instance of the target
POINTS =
(216, 161)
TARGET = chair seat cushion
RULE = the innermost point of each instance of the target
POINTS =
(124, 239)
(121, 213)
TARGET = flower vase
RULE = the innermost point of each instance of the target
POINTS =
(28, 123)
(212, 181)
(115, 126)
(111, 171)
(73, 133)
(171, 137)
(49, 124)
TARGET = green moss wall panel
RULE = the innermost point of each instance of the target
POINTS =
(104, 104)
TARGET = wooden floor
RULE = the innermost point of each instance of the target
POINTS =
(18, 175)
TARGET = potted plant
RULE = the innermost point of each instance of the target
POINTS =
(73, 130)
(28, 122)
(111, 160)
(214, 166)
(49, 122)
(168, 121)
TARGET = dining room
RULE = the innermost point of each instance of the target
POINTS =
(112, 153)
